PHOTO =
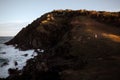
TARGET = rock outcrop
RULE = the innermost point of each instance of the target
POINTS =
(79, 45)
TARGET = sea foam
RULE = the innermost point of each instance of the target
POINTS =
(14, 55)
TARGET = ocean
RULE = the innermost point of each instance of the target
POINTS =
(9, 55)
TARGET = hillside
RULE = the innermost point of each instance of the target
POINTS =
(79, 45)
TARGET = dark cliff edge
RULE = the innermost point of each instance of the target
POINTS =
(79, 45)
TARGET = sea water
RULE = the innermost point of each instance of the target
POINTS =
(9, 55)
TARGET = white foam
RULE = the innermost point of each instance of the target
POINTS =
(40, 50)
(14, 55)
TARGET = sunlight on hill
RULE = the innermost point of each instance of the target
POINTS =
(45, 21)
(113, 37)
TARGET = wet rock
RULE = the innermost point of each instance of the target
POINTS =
(25, 55)
(16, 63)
(14, 74)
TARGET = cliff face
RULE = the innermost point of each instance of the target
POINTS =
(79, 45)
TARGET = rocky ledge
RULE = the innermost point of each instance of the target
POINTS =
(78, 45)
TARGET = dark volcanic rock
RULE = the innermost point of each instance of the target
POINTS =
(79, 45)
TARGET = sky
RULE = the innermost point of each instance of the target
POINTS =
(16, 14)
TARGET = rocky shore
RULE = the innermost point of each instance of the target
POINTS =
(78, 45)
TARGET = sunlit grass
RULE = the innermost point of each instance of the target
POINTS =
(113, 37)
